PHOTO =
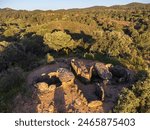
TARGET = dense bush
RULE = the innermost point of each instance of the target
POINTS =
(127, 102)
(142, 91)
(135, 100)
(58, 40)
(112, 43)
(11, 82)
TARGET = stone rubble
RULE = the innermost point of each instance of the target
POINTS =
(61, 93)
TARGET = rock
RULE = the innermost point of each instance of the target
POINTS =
(82, 70)
(51, 109)
(120, 72)
(78, 101)
(103, 71)
(65, 75)
(50, 59)
(39, 108)
(100, 92)
(109, 66)
(43, 74)
(53, 74)
(95, 104)
(52, 88)
(61, 76)
(42, 86)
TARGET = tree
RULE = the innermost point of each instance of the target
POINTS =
(127, 102)
(11, 82)
(144, 44)
(112, 43)
(142, 90)
(58, 40)
(137, 99)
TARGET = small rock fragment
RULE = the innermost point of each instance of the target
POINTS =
(42, 86)
(95, 104)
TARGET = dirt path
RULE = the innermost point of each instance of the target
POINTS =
(35, 74)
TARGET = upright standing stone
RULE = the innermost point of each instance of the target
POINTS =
(82, 70)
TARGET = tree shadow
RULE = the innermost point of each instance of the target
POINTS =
(33, 43)
(23, 53)
(77, 36)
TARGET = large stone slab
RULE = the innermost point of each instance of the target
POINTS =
(83, 70)
(103, 71)
(65, 75)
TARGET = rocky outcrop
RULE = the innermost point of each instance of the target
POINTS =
(56, 88)
(103, 71)
(64, 75)
(45, 96)
(82, 70)
(122, 74)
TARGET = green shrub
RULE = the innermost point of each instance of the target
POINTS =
(142, 91)
(137, 99)
(58, 40)
(127, 102)
(10, 84)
